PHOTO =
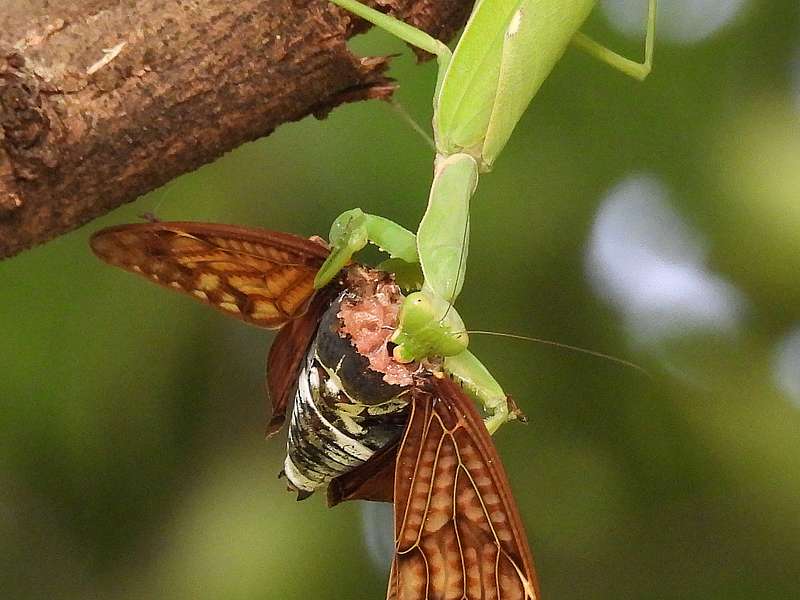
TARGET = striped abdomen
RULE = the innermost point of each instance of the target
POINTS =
(343, 411)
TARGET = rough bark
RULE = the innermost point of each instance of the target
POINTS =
(104, 100)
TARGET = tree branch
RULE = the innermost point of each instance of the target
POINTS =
(104, 100)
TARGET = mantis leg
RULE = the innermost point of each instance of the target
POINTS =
(478, 383)
(353, 230)
(617, 61)
(404, 31)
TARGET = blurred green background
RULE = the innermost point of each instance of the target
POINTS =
(658, 222)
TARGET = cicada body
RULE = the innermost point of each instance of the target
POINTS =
(362, 424)
(351, 398)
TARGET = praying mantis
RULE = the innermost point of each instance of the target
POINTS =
(414, 439)
(483, 87)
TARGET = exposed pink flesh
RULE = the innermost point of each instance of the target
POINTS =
(371, 319)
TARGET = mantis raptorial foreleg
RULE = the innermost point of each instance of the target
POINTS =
(617, 61)
(353, 230)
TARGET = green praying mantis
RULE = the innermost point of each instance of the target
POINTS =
(506, 51)
(265, 278)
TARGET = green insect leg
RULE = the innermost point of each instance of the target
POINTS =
(348, 235)
(404, 31)
(478, 383)
(617, 61)
(353, 230)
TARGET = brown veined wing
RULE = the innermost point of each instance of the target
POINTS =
(458, 533)
(261, 277)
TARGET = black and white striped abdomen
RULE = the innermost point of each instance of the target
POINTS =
(343, 412)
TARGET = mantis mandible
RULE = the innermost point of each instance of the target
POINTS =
(483, 87)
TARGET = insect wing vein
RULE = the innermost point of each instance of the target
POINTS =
(261, 277)
(476, 547)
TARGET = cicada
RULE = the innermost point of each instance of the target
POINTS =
(367, 422)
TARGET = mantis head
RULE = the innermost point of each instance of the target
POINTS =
(428, 326)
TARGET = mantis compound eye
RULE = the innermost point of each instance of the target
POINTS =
(401, 355)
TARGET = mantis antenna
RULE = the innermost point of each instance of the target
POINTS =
(595, 353)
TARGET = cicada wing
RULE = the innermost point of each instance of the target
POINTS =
(261, 277)
(458, 533)
(374, 480)
(287, 353)
(258, 276)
